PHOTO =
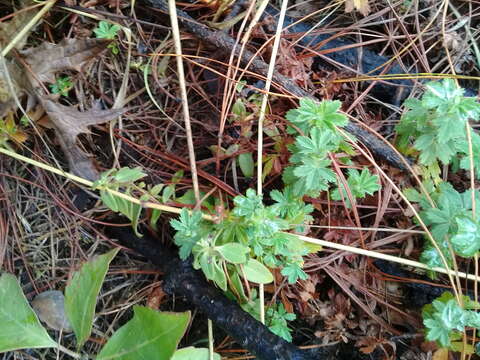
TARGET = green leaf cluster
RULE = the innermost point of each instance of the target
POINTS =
(62, 85)
(449, 221)
(315, 124)
(310, 172)
(126, 180)
(445, 320)
(360, 184)
(436, 124)
(311, 114)
(253, 237)
(106, 30)
(249, 240)
(121, 179)
(276, 317)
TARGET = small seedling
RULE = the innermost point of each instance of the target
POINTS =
(108, 31)
(62, 86)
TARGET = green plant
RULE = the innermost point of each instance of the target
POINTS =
(276, 317)
(252, 229)
(62, 85)
(445, 320)
(253, 237)
(359, 184)
(450, 222)
(125, 179)
(310, 172)
(138, 338)
(435, 125)
(243, 112)
(435, 128)
(108, 31)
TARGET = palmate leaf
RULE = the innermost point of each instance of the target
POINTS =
(431, 150)
(318, 144)
(20, 328)
(315, 174)
(293, 272)
(431, 257)
(291, 207)
(311, 114)
(277, 318)
(359, 183)
(450, 205)
(439, 92)
(248, 205)
(105, 30)
(444, 319)
(437, 122)
(466, 242)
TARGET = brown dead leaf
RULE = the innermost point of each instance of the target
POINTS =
(10, 129)
(367, 344)
(9, 29)
(70, 54)
(288, 64)
(44, 61)
(155, 298)
(49, 306)
(361, 5)
(287, 303)
(68, 123)
(12, 84)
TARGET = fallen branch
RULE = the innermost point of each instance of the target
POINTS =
(226, 44)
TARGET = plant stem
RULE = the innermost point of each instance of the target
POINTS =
(174, 210)
(69, 352)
